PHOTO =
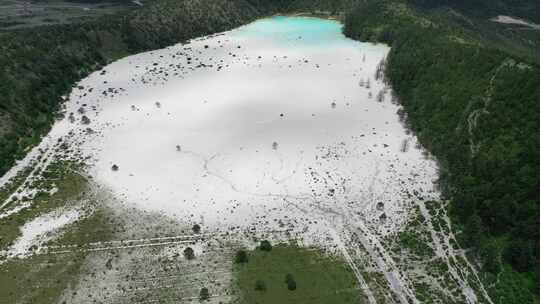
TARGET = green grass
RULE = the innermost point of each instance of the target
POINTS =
(376, 278)
(38, 279)
(41, 279)
(416, 238)
(319, 278)
(414, 242)
(94, 228)
(13, 184)
(56, 12)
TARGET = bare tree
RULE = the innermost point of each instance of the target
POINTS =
(379, 73)
(380, 96)
(405, 145)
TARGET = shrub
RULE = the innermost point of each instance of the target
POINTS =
(260, 285)
(189, 253)
(265, 246)
(241, 257)
(291, 283)
(204, 294)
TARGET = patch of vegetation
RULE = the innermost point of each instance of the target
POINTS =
(378, 284)
(511, 287)
(93, 228)
(204, 294)
(528, 9)
(196, 228)
(189, 254)
(9, 23)
(38, 279)
(265, 246)
(291, 282)
(69, 184)
(290, 274)
(426, 294)
(241, 257)
(414, 242)
(260, 285)
(41, 279)
(11, 186)
(415, 238)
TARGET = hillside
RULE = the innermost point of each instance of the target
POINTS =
(475, 107)
(40, 65)
(469, 86)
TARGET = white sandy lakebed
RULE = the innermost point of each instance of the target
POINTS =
(237, 129)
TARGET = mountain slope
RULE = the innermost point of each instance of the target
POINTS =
(476, 108)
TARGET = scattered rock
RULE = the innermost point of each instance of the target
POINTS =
(85, 120)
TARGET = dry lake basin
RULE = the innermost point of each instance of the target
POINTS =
(283, 130)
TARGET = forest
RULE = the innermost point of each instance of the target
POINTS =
(42, 64)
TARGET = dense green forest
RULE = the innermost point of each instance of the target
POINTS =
(471, 90)
(477, 109)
